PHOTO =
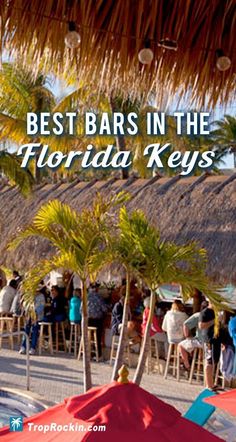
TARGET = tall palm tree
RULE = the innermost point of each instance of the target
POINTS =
(78, 240)
(123, 250)
(159, 262)
(224, 136)
(22, 92)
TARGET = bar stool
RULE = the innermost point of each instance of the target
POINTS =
(74, 337)
(153, 349)
(60, 335)
(93, 343)
(173, 361)
(114, 347)
(197, 362)
(19, 322)
(6, 326)
(45, 332)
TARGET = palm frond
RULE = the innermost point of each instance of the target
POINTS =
(10, 166)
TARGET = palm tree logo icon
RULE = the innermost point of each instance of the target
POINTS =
(16, 423)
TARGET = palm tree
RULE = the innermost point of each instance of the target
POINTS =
(123, 250)
(10, 166)
(20, 93)
(159, 262)
(224, 136)
(78, 240)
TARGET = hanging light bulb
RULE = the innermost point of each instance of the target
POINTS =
(223, 62)
(146, 55)
(72, 38)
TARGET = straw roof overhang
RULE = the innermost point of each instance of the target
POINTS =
(112, 34)
(201, 209)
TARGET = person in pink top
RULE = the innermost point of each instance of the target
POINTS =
(156, 331)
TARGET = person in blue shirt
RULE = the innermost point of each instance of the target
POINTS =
(75, 307)
(232, 329)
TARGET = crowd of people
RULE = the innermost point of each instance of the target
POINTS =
(216, 336)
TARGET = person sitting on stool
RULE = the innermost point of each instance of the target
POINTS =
(32, 325)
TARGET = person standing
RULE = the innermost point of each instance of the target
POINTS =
(212, 344)
(7, 295)
(75, 307)
(97, 308)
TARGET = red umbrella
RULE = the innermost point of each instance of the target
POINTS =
(226, 401)
(127, 411)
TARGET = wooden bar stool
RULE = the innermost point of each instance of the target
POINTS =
(93, 343)
(151, 361)
(19, 323)
(114, 347)
(6, 326)
(60, 336)
(197, 363)
(45, 333)
(74, 337)
(173, 361)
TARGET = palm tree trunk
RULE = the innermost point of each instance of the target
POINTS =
(120, 141)
(145, 343)
(123, 332)
(197, 300)
(85, 341)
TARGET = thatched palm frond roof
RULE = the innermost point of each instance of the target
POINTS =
(201, 209)
(112, 34)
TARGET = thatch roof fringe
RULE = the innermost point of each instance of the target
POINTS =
(129, 181)
(148, 183)
(86, 187)
(166, 186)
(198, 181)
(47, 193)
(9, 189)
(204, 216)
(69, 187)
(108, 183)
(112, 34)
(225, 183)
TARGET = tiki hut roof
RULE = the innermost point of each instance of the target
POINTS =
(112, 34)
(202, 209)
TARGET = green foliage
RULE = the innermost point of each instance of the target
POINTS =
(10, 166)
(159, 262)
(224, 136)
(78, 239)
(22, 92)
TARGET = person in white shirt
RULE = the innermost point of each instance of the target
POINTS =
(7, 295)
(173, 322)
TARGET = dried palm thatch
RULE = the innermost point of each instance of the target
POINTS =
(113, 32)
(202, 209)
